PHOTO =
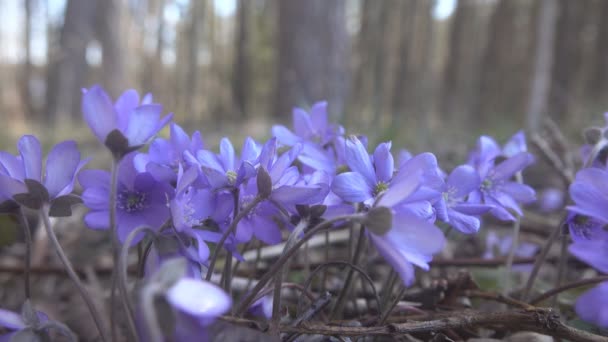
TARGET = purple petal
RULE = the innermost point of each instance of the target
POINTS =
(396, 259)
(11, 320)
(143, 124)
(592, 306)
(99, 113)
(515, 145)
(299, 194)
(301, 123)
(124, 106)
(318, 116)
(359, 161)
(594, 253)
(98, 219)
(509, 167)
(266, 229)
(400, 189)
(463, 179)
(31, 155)
(179, 138)
(520, 192)
(472, 209)
(61, 165)
(285, 136)
(12, 165)
(466, 224)
(352, 187)
(198, 298)
(384, 162)
(250, 151)
(10, 187)
(227, 155)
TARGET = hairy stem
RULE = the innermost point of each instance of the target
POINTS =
(115, 243)
(71, 273)
(27, 233)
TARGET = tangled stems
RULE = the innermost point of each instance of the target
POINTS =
(245, 303)
(71, 273)
(229, 231)
(339, 307)
(28, 251)
(276, 302)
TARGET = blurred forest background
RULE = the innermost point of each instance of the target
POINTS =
(417, 71)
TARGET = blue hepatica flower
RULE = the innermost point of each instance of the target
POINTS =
(165, 155)
(452, 207)
(62, 164)
(586, 220)
(14, 323)
(318, 137)
(137, 122)
(140, 200)
(497, 187)
(287, 189)
(192, 206)
(225, 170)
(411, 240)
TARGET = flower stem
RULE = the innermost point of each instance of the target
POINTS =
(71, 273)
(540, 260)
(115, 243)
(276, 300)
(122, 276)
(339, 307)
(28, 252)
(228, 231)
(246, 302)
(506, 277)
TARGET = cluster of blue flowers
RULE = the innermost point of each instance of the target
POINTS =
(189, 198)
(587, 219)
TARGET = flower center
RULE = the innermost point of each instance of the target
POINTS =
(486, 184)
(231, 175)
(131, 201)
(380, 187)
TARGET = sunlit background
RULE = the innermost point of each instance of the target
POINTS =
(428, 74)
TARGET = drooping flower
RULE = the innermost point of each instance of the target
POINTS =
(452, 207)
(18, 174)
(140, 199)
(136, 122)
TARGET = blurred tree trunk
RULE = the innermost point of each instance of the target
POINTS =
(461, 73)
(543, 62)
(368, 90)
(67, 62)
(109, 32)
(569, 47)
(152, 74)
(197, 17)
(313, 50)
(240, 76)
(599, 78)
(408, 11)
(26, 76)
(506, 61)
